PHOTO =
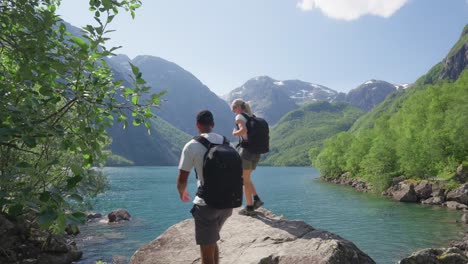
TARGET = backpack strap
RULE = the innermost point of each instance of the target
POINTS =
(246, 116)
(205, 142)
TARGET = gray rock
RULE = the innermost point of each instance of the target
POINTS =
(433, 200)
(270, 239)
(462, 244)
(464, 218)
(455, 205)
(460, 194)
(119, 215)
(92, 216)
(423, 190)
(437, 190)
(436, 256)
(404, 192)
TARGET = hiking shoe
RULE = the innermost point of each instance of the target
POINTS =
(257, 204)
(248, 212)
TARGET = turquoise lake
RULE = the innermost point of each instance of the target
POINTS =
(384, 229)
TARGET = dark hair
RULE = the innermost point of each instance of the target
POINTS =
(205, 118)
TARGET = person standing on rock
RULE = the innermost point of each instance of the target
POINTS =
(218, 168)
(254, 140)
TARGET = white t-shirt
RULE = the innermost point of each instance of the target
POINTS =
(192, 156)
(244, 120)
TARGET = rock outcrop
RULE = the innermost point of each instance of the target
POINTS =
(265, 238)
(26, 243)
(346, 179)
(118, 215)
(436, 256)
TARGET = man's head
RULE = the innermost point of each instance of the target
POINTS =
(205, 121)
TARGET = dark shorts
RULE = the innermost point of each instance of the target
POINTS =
(249, 160)
(208, 223)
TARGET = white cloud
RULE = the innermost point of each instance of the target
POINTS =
(353, 9)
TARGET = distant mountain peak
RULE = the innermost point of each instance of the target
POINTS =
(371, 93)
(272, 98)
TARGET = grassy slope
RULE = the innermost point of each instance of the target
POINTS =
(300, 130)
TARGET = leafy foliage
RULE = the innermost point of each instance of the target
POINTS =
(420, 134)
(300, 130)
(58, 96)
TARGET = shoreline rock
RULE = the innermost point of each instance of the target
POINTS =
(265, 238)
(424, 192)
(23, 243)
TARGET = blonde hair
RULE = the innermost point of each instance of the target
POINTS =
(245, 106)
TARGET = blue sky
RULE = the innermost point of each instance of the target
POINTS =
(336, 43)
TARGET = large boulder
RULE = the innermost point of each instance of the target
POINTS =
(459, 194)
(119, 215)
(437, 200)
(436, 256)
(423, 190)
(455, 205)
(268, 239)
(403, 192)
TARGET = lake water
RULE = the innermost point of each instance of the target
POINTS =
(384, 229)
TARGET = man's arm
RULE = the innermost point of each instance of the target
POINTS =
(182, 180)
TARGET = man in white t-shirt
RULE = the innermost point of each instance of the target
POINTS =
(208, 220)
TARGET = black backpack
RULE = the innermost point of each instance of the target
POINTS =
(222, 175)
(258, 134)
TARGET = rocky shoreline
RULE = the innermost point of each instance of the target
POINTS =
(429, 193)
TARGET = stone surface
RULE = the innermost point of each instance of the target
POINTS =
(455, 205)
(404, 192)
(436, 256)
(423, 190)
(265, 238)
(433, 200)
(118, 215)
(459, 194)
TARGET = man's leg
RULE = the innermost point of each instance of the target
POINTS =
(209, 254)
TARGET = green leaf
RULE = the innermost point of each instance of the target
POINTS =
(73, 181)
(80, 42)
(15, 210)
(44, 197)
(76, 169)
(135, 99)
(23, 164)
(135, 69)
(46, 91)
(30, 142)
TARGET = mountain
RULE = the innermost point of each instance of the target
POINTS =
(271, 99)
(371, 93)
(185, 97)
(306, 128)
(457, 59)
(162, 147)
(420, 133)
